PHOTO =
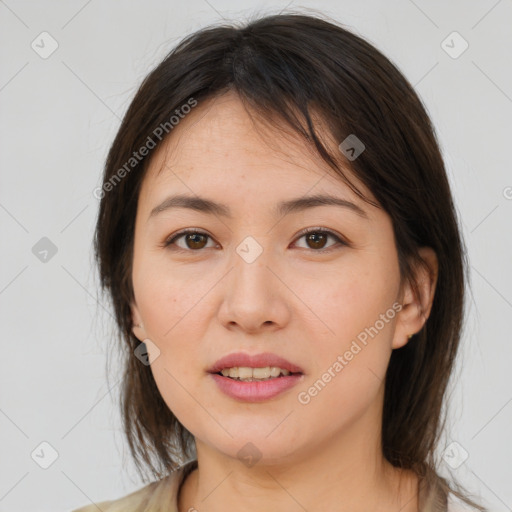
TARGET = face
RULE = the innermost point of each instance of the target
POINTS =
(249, 280)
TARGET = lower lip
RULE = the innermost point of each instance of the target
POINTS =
(256, 391)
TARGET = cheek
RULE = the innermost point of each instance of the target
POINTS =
(348, 370)
(166, 299)
(354, 299)
(169, 316)
(170, 306)
(351, 360)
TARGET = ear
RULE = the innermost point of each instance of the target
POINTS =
(416, 308)
(137, 325)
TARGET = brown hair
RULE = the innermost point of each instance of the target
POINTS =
(282, 67)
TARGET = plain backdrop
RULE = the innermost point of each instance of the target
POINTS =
(58, 115)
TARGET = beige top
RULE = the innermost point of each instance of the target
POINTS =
(159, 496)
(162, 496)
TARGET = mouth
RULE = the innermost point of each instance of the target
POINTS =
(255, 378)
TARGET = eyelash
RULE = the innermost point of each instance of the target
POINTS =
(301, 234)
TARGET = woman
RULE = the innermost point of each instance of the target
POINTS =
(278, 238)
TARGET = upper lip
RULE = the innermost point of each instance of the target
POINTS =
(239, 359)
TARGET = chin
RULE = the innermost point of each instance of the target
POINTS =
(257, 448)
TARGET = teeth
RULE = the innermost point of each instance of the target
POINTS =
(246, 373)
(259, 373)
(275, 371)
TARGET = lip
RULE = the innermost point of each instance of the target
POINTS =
(262, 360)
(255, 391)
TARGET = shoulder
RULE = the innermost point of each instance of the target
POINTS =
(160, 495)
(131, 502)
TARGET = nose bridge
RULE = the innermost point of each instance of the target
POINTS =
(253, 296)
(250, 272)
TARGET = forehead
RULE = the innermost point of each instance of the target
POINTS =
(221, 146)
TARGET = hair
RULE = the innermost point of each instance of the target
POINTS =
(290, 67)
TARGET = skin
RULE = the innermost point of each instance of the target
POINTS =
(294, 300)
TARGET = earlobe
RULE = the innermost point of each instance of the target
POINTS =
(137, 325)
(417, 304)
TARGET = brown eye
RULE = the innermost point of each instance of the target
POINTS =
(316, 239)
(193, 240)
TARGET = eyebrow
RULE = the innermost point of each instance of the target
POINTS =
(204, 205)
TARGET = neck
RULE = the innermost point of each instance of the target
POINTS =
(336, 476)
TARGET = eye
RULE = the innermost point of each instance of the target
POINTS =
(316, 238)
(194, 240)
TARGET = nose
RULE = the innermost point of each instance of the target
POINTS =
(254, 297)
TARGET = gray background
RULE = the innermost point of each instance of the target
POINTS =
(58, 116)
